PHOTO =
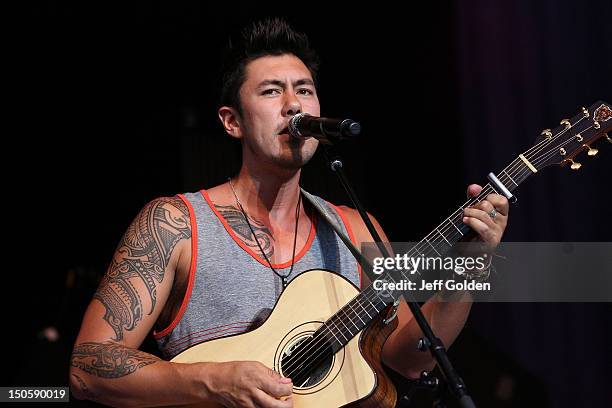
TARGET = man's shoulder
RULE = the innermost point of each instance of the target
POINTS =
(170, 203)
(168, 218)
(343, 210)
(356, 225)
(348, 214)
(167, 213)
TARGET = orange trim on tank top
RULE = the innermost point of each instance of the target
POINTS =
(192, 268)
(230, 231)
(350, 234)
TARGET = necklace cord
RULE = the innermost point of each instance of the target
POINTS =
(297, 220)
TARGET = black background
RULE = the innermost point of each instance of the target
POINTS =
(116, 105)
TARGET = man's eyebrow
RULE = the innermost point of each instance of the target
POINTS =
(281, 84)
(305, 81)
(267, 82)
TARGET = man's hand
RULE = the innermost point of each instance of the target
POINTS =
(488, 224)
(249, 384)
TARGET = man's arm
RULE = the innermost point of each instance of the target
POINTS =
(446, 318)
(106, 365)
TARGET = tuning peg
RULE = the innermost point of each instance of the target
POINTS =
(575, 165)
(590, 150)
(585, 112)
(608, 137)
(547, 133)
(566, 123)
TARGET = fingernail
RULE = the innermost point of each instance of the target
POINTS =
(285, 380)
(465, 219)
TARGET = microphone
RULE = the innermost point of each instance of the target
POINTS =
(326, 130)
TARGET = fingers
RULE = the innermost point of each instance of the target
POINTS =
(277, 389)
(250, 384)
(265, 400)
(480, 222)
(499, 202)
(494, 201)
(275, 385)
(473, 190)
(481, 211)
(478, 217)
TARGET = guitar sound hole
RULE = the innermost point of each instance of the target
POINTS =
(307, 361)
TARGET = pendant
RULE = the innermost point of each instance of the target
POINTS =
(284, 279)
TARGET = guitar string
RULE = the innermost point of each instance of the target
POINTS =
(539, 160)
(319, 339)
(288, 367)
(489, 189)
(553, 151)
(315, 342)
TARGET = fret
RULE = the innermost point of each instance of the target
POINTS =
(357, 314)
(340, 330)
(365, 310)
(510, 177)
(356, 311)
(378, 296)
(403, 275)
(434, 248)
(420, 249)
(361, 305)
(371, 290)
(332, 333)
(453, 224)
(443, 236)
(344, 324)
(375, 308)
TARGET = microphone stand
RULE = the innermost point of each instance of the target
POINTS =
(429, 341)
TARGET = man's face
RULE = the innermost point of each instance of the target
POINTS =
(275, 89)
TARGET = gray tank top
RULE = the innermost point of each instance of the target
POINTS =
(231, 289)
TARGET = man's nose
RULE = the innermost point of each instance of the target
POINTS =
(292, 105)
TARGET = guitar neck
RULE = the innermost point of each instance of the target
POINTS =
(558, 146)
(365, 307)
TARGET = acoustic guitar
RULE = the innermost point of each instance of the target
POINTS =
(327, 336)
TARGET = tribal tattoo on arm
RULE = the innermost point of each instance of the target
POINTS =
(108, 359)
(237, 221)
(141, 259)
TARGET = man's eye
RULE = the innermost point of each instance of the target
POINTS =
(272, 91)
(306, 91)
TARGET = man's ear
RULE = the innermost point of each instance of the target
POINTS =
(230, 119)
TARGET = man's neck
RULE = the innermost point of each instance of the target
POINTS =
(268, 197)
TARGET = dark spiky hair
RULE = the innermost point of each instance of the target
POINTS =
(273, 36)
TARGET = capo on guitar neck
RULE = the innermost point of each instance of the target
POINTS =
(501, 189)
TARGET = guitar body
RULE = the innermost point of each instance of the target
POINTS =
(352, 376)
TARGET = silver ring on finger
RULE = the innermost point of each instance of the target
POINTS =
(492, 213)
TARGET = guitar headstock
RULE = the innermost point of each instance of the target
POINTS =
(574, 136)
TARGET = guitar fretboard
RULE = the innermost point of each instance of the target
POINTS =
(339, 329)
(556, 146)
